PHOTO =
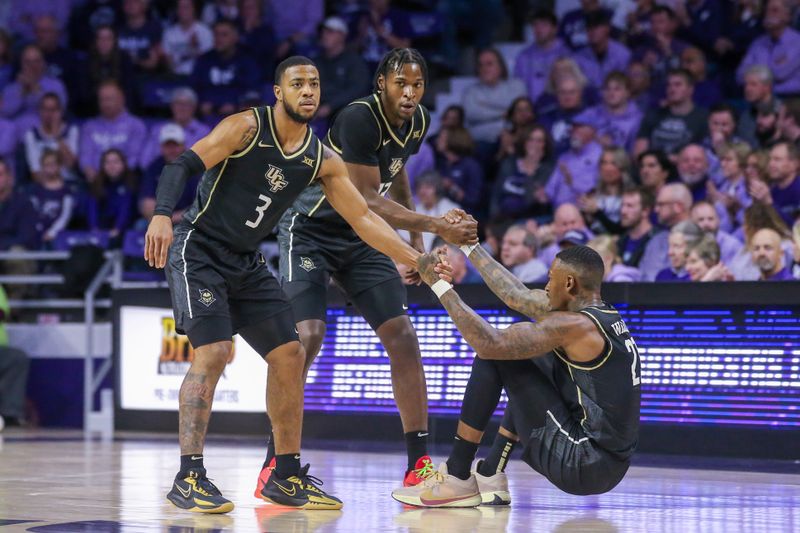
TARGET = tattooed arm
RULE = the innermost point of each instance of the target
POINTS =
(507, 287)
(522, 340)
(235, 133)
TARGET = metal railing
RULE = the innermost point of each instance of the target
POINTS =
(111, 272)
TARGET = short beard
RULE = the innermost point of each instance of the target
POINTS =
(297, 117)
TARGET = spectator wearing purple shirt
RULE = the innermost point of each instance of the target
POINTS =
(676, 125)
(114, 128)
(783, 191)
(731, 196)
(769, 257)
(778, 50)
(9, 139)
(172, 145)
(111, 197)
(17, 217)
(576, 170)
(533, 63)
(183, 106)
(682, 236)
(705, 215)
(462, 175)
(602, 55)
(707, 92)
(223, 75)
(52, 200)
(673, 204)
(51, 132)
(20, 99)
(558, 121)
(617, 119)
(139, 36)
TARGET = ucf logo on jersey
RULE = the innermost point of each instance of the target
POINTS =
(275, 178)
(394, 168)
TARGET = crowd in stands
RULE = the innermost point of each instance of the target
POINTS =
(663, 134)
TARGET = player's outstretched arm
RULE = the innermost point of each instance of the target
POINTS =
(519, 341)
(506, 286)
(347, 201)
(368, 182)
(234, 133)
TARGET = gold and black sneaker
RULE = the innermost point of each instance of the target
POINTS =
(196, 493)
(301, 492)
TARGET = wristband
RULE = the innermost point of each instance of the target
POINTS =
(469, 248)
(440, 287)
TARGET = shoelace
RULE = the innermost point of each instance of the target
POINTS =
(204, 486)
(436, 478)
(310, 482)
(426, 471)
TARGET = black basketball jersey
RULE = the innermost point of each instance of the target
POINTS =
(361, 134)
(240, 200)
(604, 394)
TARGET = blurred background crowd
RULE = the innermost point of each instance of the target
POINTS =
(662, 133)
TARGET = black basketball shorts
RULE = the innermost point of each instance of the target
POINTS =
(568, 458)
(217, 292)
(312, 252)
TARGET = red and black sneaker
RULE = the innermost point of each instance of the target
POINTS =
(263, 477)
(422, 471)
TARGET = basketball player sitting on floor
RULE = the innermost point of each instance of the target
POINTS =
(579, 424)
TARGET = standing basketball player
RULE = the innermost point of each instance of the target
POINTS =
(580, 425)
(256, 163)
(375, 136)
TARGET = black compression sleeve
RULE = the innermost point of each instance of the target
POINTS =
(173, 180)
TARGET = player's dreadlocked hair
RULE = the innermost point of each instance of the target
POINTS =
(394, 60)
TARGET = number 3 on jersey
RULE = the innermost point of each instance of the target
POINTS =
(631, 346)
(260, 210)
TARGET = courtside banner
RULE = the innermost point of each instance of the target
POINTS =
(154, 359)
